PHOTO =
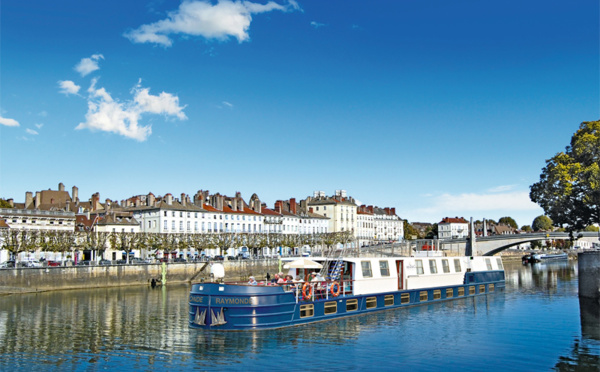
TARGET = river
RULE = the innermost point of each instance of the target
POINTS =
(537, 324)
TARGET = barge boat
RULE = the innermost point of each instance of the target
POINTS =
(346, 286)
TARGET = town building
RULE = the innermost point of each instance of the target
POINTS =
(453, 228)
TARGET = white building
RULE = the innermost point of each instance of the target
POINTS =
(453, 228)
(339, 209)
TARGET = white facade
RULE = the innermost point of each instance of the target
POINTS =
(34, 219)
(453, 228)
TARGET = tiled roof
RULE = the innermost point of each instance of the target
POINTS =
(454, 220)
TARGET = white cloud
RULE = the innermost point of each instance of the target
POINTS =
(8, 122)
(502, 188)
(39, 125)
(68, 87)
(477, 205)
(228, 104)
(31, 131)
(316, 24)
(108, 115)
(88, 65)
(201, 18)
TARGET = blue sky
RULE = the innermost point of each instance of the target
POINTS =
(437, 108)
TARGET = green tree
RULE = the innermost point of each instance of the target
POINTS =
(542, 223)
(509, 221)
(409, 231)
(4, 204)
(592, 228)
(569, 186)
(526, 228)
(432, 231)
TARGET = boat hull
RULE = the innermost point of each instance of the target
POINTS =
(226, 307)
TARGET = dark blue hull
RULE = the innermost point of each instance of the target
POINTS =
(229, 307)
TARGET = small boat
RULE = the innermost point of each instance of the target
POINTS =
(344, 286)
(539, 257)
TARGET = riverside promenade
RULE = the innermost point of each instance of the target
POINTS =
(42, 279)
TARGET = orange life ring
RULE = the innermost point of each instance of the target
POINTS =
(306, 291)
(335, 292)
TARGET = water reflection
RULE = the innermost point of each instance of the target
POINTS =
(146, 329)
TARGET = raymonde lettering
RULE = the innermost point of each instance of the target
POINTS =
(232, 301)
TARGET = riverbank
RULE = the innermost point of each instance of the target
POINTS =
(31, 280)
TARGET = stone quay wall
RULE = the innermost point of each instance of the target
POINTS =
(24, 280)
(589, 274)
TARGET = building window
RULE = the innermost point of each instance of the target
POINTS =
(499, 261)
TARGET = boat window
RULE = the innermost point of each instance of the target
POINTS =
(330, 308)
(352, 305)
(405, 298)
(437, 294)
(384, 268)
(419, 266)
(445, 266)
(499, 260)
(457, 265)
(482, 288)
(449, 293)
(472, 290)
(371, 302)
(389, 300)
(432, 267)
(307, 311)
(488, 264)
(366, 269)
(461, 291)
(490, 288)
(423, 296)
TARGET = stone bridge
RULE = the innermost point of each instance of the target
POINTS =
(490, 245)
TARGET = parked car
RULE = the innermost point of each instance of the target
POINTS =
(7, 265)
(136, 260)
(53, 263)
(84, 263)
(179, 259)
(104, 262)
(218, 258)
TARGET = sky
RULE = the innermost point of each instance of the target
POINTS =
(437, 108)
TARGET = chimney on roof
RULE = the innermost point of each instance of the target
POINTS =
(199, 199)
(75, 195)
(107, 204)
(278, 205)
(183, 199)
(151, 199)
(68, 206)
(393, 211)
(28, 199)
(387, 211)
(293, 205)
(11, 202)
(61, 187)
(95, 201)
(38, 199)
(169, 198)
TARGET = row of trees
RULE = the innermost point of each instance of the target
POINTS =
(17, 241)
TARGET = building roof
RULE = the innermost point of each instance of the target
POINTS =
(453, 220)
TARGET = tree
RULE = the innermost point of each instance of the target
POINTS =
(526, 228)
(569, 186)
(509, 221)
(409, 231)
(4, 204)
(542, 223)
(592, 228)
(432, 231)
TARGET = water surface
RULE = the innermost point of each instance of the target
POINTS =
(535, 325)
